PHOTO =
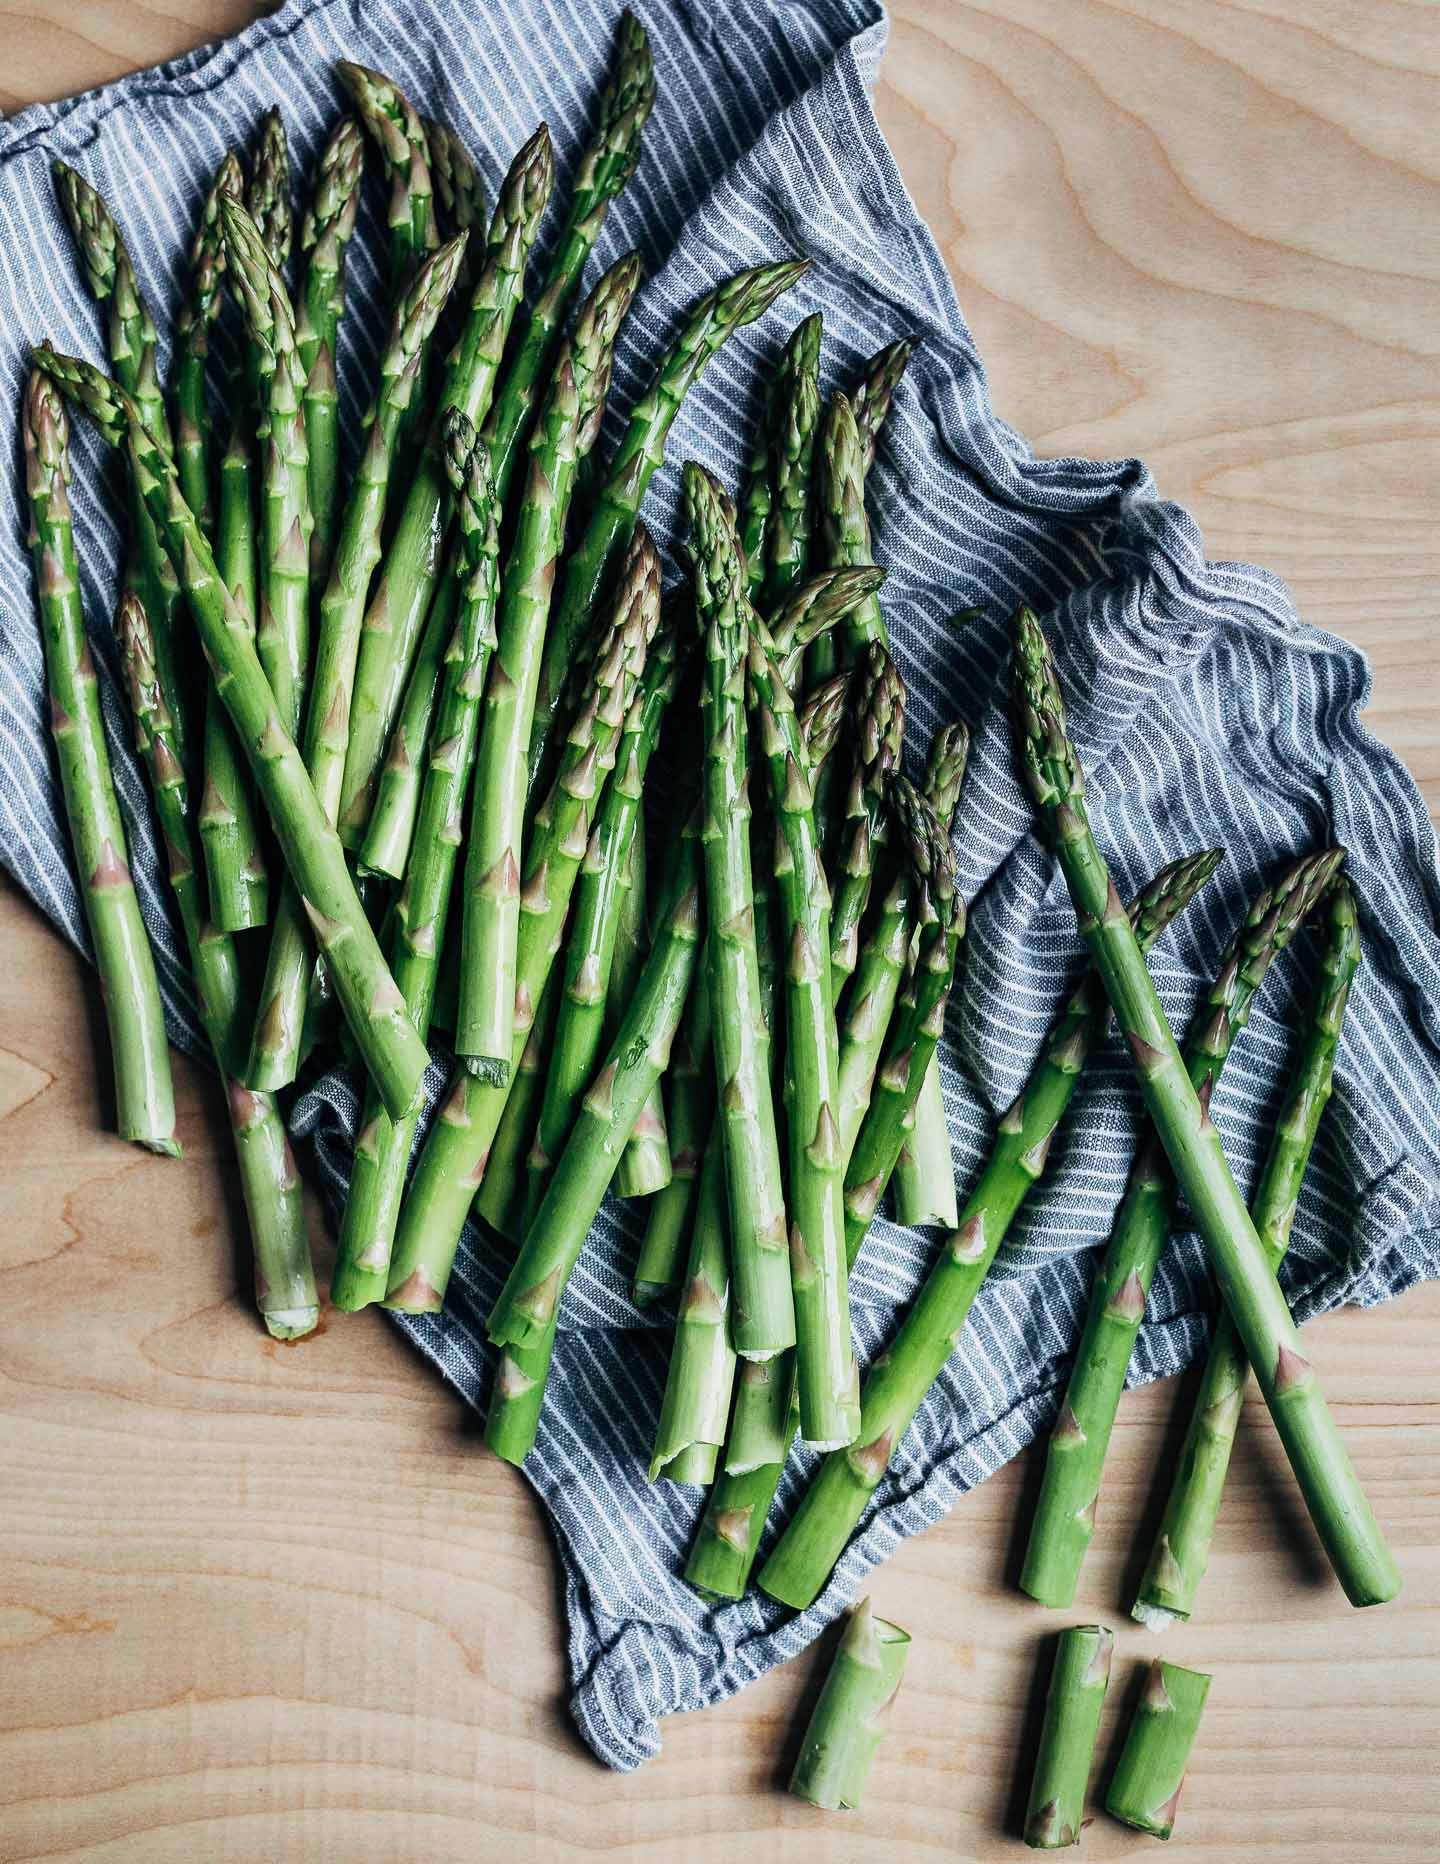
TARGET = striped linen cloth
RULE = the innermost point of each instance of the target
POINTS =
(1205, 710)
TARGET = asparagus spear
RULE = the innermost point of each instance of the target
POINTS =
(822, 717)
(847, 1725)
(757, 500)
(739, 301)
(605, 167)
(827, 1378)
(1065, 1515)
(284, 1277)
(794, 417)
(1182, 1549)
(763, 1316)
(840, 497)
(1146, 1788)
(267, 199)
(895, 1387)
(131, 345)
(144, 1098)
(565, 429)
(415, 554)
(644, 1167)
(400, 137)
(1291, 1388)
(524, 1315)
(1055, 1815)
(382, 1151)
(810, 610)
(324, 234)
(879, 717)
(453, 1161)
(701, 1372)
(689, 1114)
(372, 1005)
(502, 1199)
(388, 834)
(873, 995)
(234, 868)
(283, 636)
(456, 182)
(591, 945)
(873, 394)
(925, 1171)
(192, 346)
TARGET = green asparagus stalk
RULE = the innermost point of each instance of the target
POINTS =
(595, 920)
(503, 1197)
(525, 1313)
(644, 1167)
(284, 1276)
(808, 613)
(925, 1171)
(144, 1098)
(415, 555)
(373, 1006)
(915, 1028)
(452, 1164)
(268, 198)
(458, 188)
(840, 462)
(701, 1373)
(1145, 1791)
(827, 1377)
(605, 168)
(895, 1387)
(794, 417)
(763, 1314)
(1055, 1815)
(357, 550)
(398, 134)
(386, 847)
(879, 718)
(382, 1151)
(1065, 1515)
(283, 636)
(757, 501)
(1182, 1549)
(324, 234)
(847, 1726)
(192, 346)
(690, 1112)
(879, 973)
(870, 402)
(822, 717)
(131, 344)
(234, 869)
(1337, 1504)
(739, 301)
(566, 428)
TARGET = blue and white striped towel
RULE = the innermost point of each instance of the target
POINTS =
(1205, 709)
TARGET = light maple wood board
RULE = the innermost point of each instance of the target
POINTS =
(260, 1603)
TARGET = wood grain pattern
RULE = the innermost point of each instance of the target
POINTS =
(262, 1603)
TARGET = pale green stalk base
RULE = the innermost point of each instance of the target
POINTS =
(924, 1179)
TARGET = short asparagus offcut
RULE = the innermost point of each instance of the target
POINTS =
(1182, 1549)
(269, 1182)
(1065, 1514)
(1145, 1791)
(1337, 1505)
(895, 1387)
(565, 430)
(416, 553)
(848, 1723)
(130, 992)
(1073, 1704)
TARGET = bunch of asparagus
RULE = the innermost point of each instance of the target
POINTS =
(349, 701)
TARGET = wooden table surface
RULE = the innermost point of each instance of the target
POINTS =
(262, 1604)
